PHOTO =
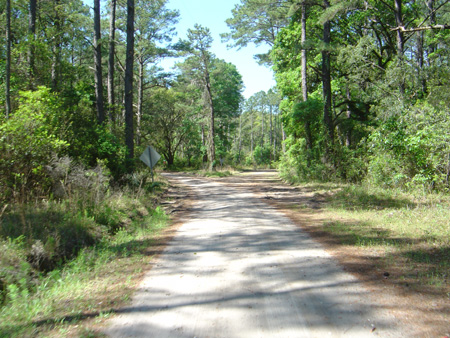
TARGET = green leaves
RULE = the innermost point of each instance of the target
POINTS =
(29, 139)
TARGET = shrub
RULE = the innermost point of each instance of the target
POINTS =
(28, 140)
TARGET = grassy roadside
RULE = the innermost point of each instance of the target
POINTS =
(409, 233)
(86, 286)
(406, 235)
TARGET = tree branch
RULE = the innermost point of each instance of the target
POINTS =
(418, 29)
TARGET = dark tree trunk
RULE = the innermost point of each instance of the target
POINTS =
(400, 38)
(212, 147)
(251, 132)
(8, 60)
(140, 101)
(32, 32)
(129, 131)
(240, 138)
(112, 37)
(56, 48)
(420, 62)
(98, 64)
(205, 156)
(348, 134)
(431, 46)
(308, 133)
(262, 126)
(271, 130)
(326, 82)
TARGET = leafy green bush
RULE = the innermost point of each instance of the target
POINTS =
(262, 155)
(411, 150)
(28, 141)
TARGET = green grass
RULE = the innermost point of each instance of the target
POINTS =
(92, 281)
(410, 232)
(215, 173)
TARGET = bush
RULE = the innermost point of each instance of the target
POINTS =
(411, 150)
(262, 155)
(28, 140)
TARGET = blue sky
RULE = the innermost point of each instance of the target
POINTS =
(212, 14)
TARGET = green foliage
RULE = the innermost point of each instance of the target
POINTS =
(411, 150)
(262, 155)
(28, 140)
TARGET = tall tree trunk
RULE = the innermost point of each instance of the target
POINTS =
(8, 60)
(400, 39)
(262, 126)
(420, 62)
(251, 132)
(275, 136)
(129, 131)
(348, 134)
(98, 64)
(112, 38)
(271, 131)
(432, 46)
(326, 82)
(56, 48)
(140, 101)
(32, 32)
(308, 132)
(205, 156)
(240, 138)
(209, 101)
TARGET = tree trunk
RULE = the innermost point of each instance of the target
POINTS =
(271, 130)
(140, 101)
(326, 82)
(420, 62)
(56, 48)
(112, 37)
(431, 46)
(348, 134)
(262, 126)
(8, 60)
(275, 136)
(205, 156)
(240, 138)
(400, 39)
(129, 131)
(98, 64)
(308, 132)
(212, 147)
(32, 32)
(251, 132)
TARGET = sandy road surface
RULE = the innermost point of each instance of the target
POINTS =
(239, 268)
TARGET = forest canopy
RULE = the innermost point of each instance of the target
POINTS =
(361, 94)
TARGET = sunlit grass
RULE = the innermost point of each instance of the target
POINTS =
(410, 232)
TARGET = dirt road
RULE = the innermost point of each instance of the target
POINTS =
(239, 268)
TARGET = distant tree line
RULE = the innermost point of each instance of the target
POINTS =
(364, 86)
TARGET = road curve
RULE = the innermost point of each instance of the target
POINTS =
(239, 268)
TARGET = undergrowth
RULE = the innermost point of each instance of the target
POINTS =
(61, 258)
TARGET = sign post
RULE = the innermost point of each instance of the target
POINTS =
(150, 157)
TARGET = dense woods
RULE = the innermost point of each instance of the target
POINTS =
(362, 96)
(363, 87)
(361, 90)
